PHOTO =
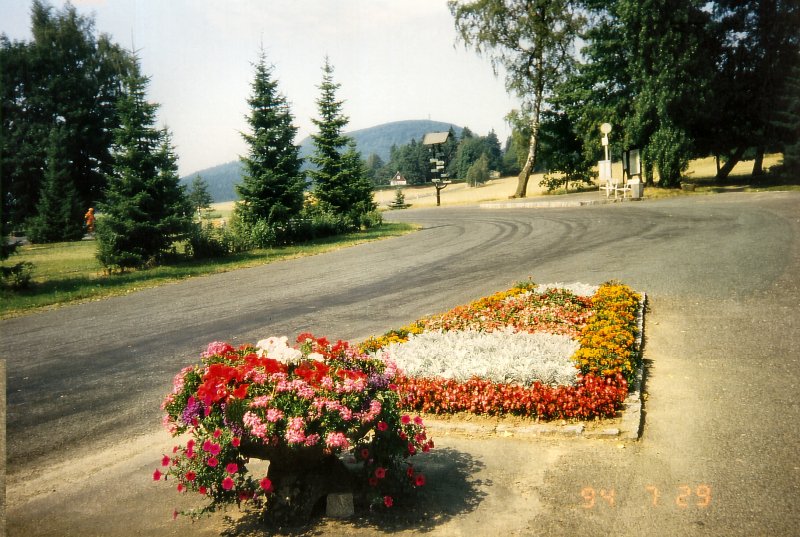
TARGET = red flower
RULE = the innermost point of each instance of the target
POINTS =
(165, 461)
(235, 441)
(265, 484)
(382, 425)
(364, 453)
(227, 483)
(388, 501)
(240, 392)
(419, 480)
(405, 419)
(232, 468)
(190, 476)
(156, 475)
(380, 472)
(217, 433)
(181, 488)
(213, 462)
(373, 481)
(202, 490)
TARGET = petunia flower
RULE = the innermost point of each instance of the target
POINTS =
(227, 483)
(157, 475)
(232, 468)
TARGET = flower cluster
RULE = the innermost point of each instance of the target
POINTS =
(607, 340)
(319, 397)
(603, 326)
(522, 308)
(591, 397)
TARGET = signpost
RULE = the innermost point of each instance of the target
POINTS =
(438, 176)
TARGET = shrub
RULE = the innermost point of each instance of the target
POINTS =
(17, 276)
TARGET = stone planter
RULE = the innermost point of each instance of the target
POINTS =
(302, 478)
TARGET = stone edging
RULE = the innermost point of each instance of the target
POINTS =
(628, 428)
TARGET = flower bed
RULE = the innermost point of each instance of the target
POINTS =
(603, 326)
(298, 408)
(547, 352)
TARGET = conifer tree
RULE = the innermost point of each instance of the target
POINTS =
(340, 181)
(146, 209)
(272, 185)
(59, 212)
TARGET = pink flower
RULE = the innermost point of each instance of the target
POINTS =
(165, 461)
(405, 419)
(215, 449)
(157, 475)
(227, 483)
(337, 440)
(217, 347)
(388, 501)
(273, 415)
(380, 472)
(232, 468)
(418, 420)
(207, 445)
(213, 462)
(265, 484)
(294, 432)
(382, 425)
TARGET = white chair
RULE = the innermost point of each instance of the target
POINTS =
(605, 180)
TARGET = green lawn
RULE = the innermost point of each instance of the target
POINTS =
(69, 272)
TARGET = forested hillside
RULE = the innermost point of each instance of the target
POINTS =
(376, 140)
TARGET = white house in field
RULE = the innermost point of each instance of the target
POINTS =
(398, 180)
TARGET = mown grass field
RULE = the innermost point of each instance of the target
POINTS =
(69, 272)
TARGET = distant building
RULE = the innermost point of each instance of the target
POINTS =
(398, 180)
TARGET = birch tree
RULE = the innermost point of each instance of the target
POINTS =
(531, 42)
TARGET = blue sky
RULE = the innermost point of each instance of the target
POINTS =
(395, 60)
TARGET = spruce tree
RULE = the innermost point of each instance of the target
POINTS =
(328, 142)
(340, 180)
(146, 209)
(272, 185)
(59, 215)
(198, 194)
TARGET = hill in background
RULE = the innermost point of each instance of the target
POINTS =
(378, 140)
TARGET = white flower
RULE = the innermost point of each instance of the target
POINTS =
(500, 356)
(316, 356)
(277, 348)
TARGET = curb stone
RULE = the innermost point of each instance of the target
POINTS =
(547, 204)
(629, 428)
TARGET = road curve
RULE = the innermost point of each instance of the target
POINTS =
(720, 271)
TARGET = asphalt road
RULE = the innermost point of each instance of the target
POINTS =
(719, 450)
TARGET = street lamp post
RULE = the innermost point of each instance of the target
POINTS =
(605, 128)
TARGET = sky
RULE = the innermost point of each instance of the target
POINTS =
(394, 59)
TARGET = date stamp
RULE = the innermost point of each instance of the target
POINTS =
(683, 496)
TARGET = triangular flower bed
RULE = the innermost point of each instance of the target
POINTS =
(521, 346)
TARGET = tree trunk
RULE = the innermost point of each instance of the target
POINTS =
(527, 169)
(758, 164)
(733, 159)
